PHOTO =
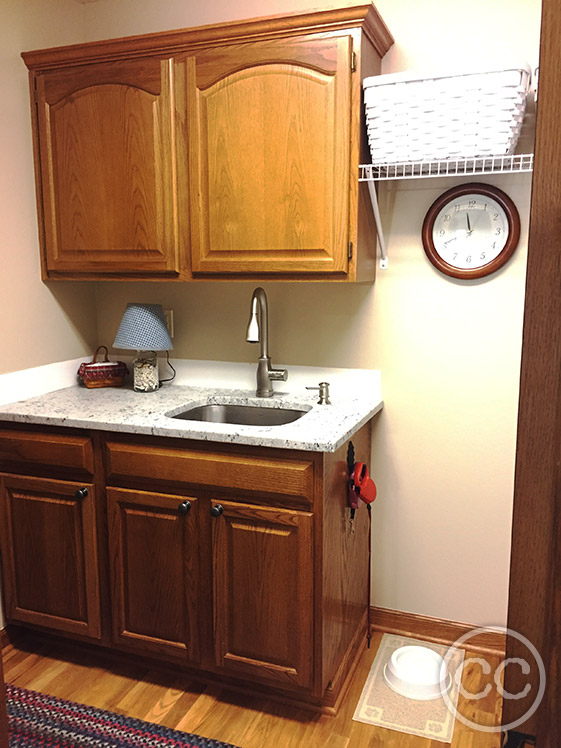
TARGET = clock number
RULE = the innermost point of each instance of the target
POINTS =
(456, 208)
(482, 256)
(495, 216)
(471, 203)
(455, 255)
(468, 259)
(498, 231)
(446, 217)
(441, 232)
(494, 245)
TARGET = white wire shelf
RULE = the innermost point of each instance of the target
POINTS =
(447, 168)
(460, 167)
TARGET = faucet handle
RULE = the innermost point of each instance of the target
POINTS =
(278, 375)
(323, 393)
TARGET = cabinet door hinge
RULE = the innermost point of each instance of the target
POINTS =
(350, 251)
(353, 62)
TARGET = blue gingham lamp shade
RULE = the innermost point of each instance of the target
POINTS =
(143, 328)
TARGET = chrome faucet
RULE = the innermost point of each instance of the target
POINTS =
(258, 331)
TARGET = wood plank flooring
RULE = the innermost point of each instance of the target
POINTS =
(171, 699)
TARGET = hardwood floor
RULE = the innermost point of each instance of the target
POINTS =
(169, 698)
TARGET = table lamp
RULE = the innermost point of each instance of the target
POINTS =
(144, 330)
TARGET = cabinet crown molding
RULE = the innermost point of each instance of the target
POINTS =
(182, 40)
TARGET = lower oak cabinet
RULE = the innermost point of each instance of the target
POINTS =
(262, 565)
(234, 563)
(50, 561)
(154, 562)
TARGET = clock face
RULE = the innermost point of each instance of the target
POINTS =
(471, 231)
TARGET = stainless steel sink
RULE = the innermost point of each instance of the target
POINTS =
(246, 415)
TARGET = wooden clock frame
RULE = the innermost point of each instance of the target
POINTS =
(486, 190)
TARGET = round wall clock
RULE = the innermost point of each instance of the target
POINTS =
(471, 230)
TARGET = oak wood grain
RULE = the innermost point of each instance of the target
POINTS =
(254, 173)
(173, 42)
(263, 564)
(19, 447)
(345, 559)
(154, 561)
(535, 571)
(269, 126)
(211, 467)
(108, 168)
(240, 598)
(438, 630)
(49, 554)
(183, 702)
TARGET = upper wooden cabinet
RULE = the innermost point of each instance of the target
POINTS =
(269, 136)
(107, 168)
(212, 152)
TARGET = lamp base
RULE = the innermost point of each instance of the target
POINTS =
(145, 372)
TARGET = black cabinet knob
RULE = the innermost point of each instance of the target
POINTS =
(184, 507)
(216, 510)
(80, 493)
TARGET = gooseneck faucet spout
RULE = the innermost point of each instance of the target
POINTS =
(258, 332)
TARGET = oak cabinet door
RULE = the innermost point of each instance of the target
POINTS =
(154, 558)
(106, 153)
(269, 152)
(263, 592)
(49, 553)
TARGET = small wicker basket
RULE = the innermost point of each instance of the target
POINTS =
(102, 373)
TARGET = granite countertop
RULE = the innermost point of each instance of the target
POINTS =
(324, 428)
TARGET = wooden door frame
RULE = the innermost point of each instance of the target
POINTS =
(535, 572)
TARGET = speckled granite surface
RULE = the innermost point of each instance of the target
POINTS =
(323, 428)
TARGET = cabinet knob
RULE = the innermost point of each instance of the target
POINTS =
(184, 507)
(80, 493)
(217, 510)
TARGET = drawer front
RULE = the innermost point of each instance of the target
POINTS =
(53, 450)
(290, 477)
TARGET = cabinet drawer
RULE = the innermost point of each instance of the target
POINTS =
(290, 477)
(53, 450)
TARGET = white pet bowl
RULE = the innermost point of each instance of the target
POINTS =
(418, 673)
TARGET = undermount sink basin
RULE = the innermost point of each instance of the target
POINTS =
(246, 415)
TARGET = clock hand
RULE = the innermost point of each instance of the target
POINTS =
(470, 230)
(453, 239)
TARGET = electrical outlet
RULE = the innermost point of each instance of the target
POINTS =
(169, 321)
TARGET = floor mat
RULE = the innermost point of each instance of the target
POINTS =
(380, 705)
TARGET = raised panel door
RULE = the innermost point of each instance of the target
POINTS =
(50, 554)
(107, 167)
(269, 149)
(263, 592)
(154, 564)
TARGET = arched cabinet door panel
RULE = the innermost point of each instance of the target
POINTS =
(269, 152)
(106, 149)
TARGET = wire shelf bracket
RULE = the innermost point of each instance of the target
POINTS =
(462, 167)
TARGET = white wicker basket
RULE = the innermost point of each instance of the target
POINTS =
(410, 118)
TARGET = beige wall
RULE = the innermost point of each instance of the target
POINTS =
(39, 324)
(443, 452)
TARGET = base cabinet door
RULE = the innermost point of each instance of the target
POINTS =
(49, 554)
(263, 592)
(154, 563)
